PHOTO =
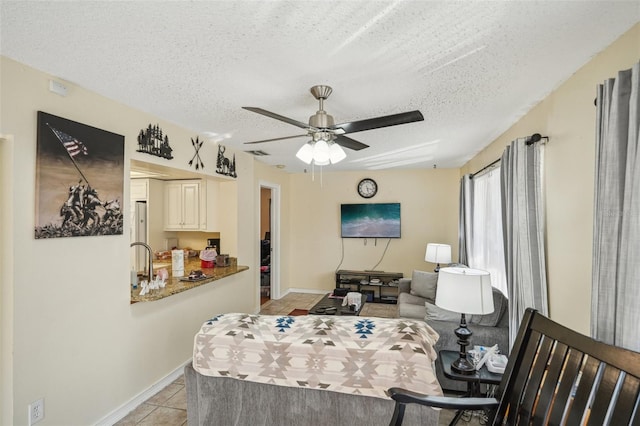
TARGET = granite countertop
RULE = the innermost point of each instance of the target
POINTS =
(175, 286)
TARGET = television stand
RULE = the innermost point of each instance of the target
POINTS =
(378, 286)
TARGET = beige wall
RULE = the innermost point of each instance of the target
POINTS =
(6, 276)
(78, 342)
(429, 212)
(568, 117)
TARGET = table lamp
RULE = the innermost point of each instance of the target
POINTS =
(438, 253)
(467, 291)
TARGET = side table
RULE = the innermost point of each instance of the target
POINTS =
(482, 376)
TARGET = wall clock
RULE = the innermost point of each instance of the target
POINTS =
(367, 188)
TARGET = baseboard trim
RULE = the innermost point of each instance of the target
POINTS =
(120, 412)
(305, 290)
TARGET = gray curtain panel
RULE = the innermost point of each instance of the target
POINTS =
(523, 230)
(615, 306)
(465, 219)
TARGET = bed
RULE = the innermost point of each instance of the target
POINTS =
(308, 370)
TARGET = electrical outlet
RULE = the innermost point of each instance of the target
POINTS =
(36, 411)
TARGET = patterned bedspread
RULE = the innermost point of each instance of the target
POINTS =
(348, 354)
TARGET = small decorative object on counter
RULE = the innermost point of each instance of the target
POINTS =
(177, 263)
(157, 283)
(195, 276)
(222, 260)
(208, 257)
(163, 274)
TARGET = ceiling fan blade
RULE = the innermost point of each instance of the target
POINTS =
(277, 139)
(279, 117)
(349, 143)
(376, 123)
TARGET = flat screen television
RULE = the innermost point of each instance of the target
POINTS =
(374, 220)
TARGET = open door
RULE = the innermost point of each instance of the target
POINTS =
(265, 244)
(268, 241)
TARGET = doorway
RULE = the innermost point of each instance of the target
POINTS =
(268, 241)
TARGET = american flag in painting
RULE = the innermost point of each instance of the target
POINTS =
(71, 144)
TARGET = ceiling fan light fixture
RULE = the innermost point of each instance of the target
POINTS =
(305, 153)
(320, 152)
(336, 153)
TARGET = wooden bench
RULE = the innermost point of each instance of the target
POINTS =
(554, 376)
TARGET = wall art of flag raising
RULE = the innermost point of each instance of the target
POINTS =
(72, 145)
(79, 179)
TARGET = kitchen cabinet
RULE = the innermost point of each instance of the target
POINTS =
(182, 205)
(139, 190)
(209, 205)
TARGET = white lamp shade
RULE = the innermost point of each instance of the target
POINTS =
(438, 253)
(336, 153)
(321, 152)
(305, 153)
(465, 290)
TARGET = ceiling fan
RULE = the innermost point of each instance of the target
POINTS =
(326, 136)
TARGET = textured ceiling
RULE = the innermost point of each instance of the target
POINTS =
(473, 68)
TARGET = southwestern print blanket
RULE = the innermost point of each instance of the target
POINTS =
(348, 354)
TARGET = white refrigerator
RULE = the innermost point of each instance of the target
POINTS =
(139, 234)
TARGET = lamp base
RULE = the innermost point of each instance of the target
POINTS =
(463, 366)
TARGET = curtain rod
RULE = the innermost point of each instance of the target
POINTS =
(486, 167)
(536, 137)
(530, 140)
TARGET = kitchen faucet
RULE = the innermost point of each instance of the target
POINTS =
(138, 243)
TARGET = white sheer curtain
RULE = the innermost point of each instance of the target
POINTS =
(486, 249)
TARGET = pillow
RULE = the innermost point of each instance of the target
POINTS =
(436, 313)
(423, 284)
(499, 306)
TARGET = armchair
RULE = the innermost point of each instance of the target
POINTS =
(554, 376)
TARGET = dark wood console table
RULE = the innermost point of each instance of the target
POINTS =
(383, 285)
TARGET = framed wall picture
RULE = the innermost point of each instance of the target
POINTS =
(79, 179)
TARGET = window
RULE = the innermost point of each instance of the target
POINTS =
(487, 245)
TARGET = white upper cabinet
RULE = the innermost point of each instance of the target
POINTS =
(182, 205)
(139, 190)
(209, 205)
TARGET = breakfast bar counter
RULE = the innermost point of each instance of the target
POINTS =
(174, 285)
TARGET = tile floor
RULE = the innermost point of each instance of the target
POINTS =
(169, 406)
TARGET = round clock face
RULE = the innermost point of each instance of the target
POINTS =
(367, 188)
